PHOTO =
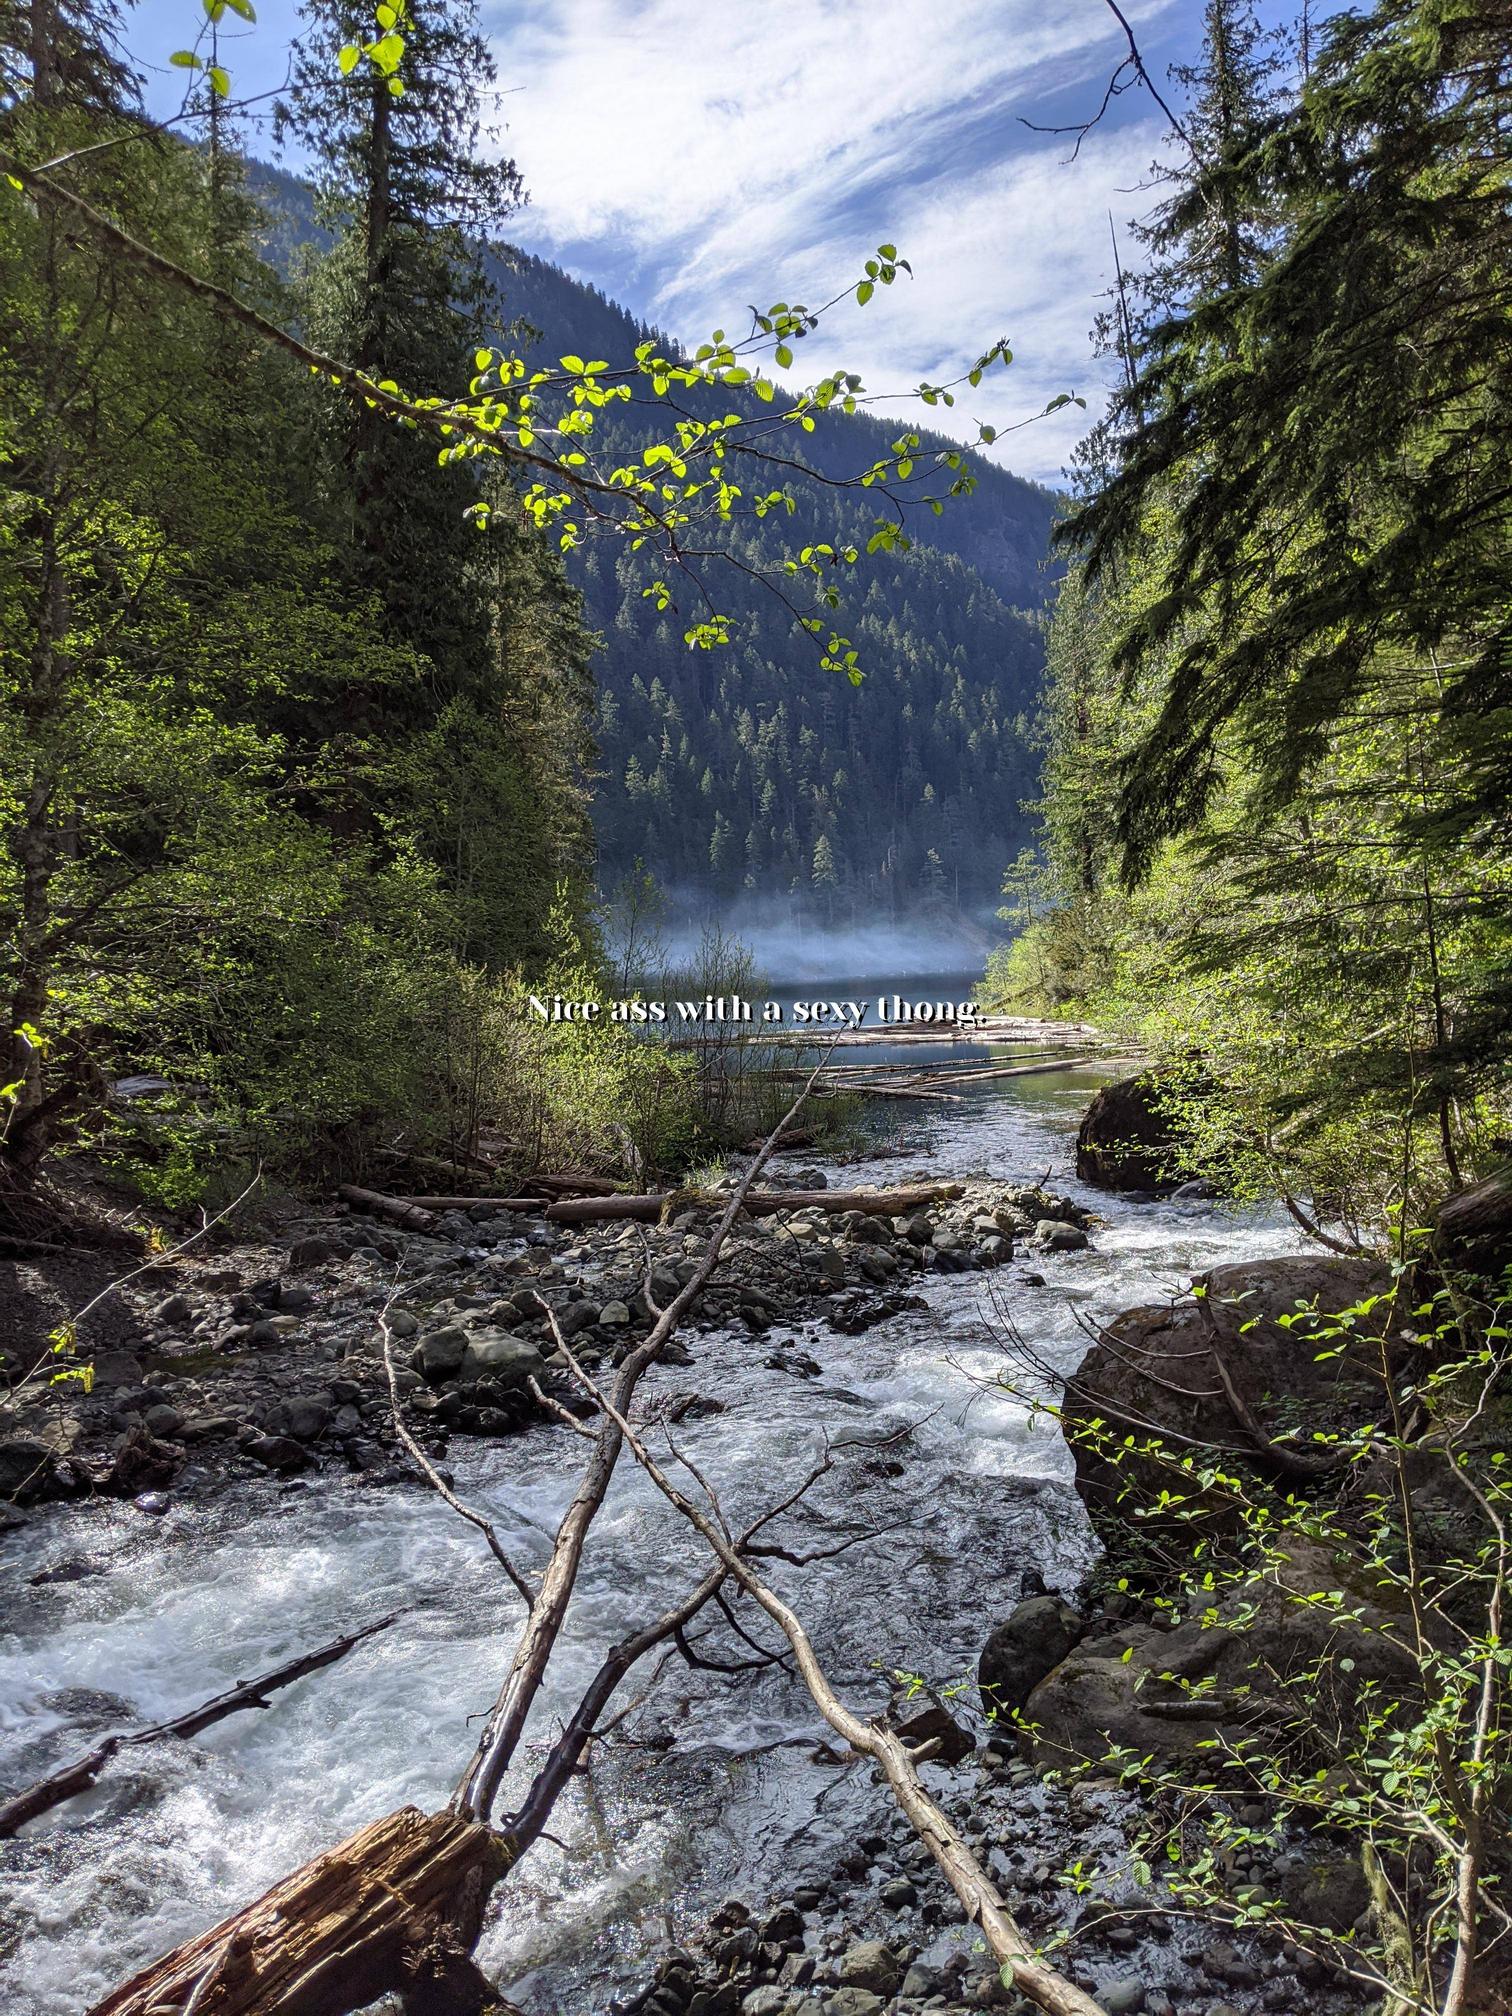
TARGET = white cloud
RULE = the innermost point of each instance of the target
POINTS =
(701, 158)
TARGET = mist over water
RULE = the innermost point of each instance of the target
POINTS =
(788, 951)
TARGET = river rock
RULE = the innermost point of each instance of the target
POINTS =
(1123, 1997)
(502, 1357)
(1021, 1650)
(614, 1315)
(279, 1453)
(869, 1964)
(439, 1353)
(25, 1469)
(1126, 1141)
(1053, 1235)
(304, 1416)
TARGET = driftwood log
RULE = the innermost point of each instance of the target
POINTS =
(410, 1216)
(72, 1779)
(762, 1203)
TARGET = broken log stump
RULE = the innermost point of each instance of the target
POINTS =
(394, 1909)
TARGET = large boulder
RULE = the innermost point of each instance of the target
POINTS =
(1127, 1140)
(1022, 1649)
(1472, 1231)
(1227, 1367)
(1169, 1693)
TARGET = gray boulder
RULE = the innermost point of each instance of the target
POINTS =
(304, 1416)
(439, 1353)
(869, 1964)
(1051, 1235)
(500, 1356)
(1023, 1649)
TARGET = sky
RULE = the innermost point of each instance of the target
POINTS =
(692, 160)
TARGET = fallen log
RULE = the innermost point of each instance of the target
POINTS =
(569, 1185)
(1012, 1071)
(760, 1203)
(397, 1904)
(410, 1216)
(823, 1090)
(467, 1203)
(72, 1779)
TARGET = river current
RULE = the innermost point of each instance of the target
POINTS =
(711, 1785)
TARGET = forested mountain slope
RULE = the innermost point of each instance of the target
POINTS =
(749, 773)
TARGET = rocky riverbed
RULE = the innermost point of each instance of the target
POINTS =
(270, 1356)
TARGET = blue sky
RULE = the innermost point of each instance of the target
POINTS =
(691, 160)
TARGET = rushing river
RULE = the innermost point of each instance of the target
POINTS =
(722, 1785)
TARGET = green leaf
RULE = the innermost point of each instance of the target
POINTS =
(347, 59)
(185, 59)
(864, 292)
(220, 83)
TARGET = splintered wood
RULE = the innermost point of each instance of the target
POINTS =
(398, 1901)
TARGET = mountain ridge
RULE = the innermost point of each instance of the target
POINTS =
(748, 778)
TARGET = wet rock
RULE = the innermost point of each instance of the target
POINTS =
(163, 1419)
(77, 1570)
(614, 1316)
(930, 1721)
(899, 1894)
(403, 1323)
(294, 1300)
(25, 1464)
(765, 2001)
(1122, 1997)
(1227, 1964)
(303, 1416)
(921, 1981)
(782, 1923)
(279, 1453)
(1050, 1235)
(1023, 1649)
(580, 1316)
(155, 1503)
(440, 1353)
(871, 1965)
(500, 1356)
